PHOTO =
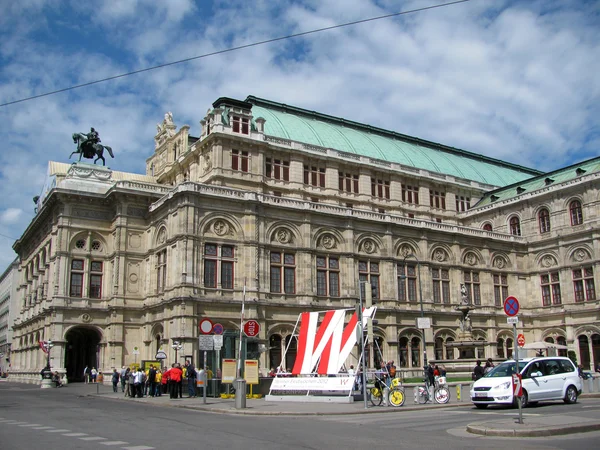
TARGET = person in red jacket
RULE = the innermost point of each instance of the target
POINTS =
(164, 380)
(174, 374)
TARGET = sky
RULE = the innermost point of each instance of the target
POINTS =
(515, 80)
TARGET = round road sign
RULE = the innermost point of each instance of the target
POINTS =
(205, 326)
(251, 328)
(521, 340)
(511, 306)
(218, 328)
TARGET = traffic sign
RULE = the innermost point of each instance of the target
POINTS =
(160, 355)
(218, 328)
(218, 341)
(511, 306)
(517, 386)
(521, 340)
(512, 320)
(205, 342)
(251, 328)
(205, 326)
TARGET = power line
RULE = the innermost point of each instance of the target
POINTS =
(232, 49)
(8, 237)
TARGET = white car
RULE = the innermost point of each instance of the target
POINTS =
(545, 378)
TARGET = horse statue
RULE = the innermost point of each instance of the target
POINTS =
(89, 149)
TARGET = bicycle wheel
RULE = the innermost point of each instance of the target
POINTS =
(423, 395)
(376, 396)
(441, 395)
(396, 397)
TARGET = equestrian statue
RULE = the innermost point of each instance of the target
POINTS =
(88, 146)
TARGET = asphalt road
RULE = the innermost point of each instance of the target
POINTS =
(32, 418)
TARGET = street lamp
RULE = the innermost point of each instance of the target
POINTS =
(48, 346)
(412, 255)
(176, 346)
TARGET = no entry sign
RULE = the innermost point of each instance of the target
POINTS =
(520, 340)
(511, 306)
(205, 326)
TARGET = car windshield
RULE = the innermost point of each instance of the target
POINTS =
(502, 370)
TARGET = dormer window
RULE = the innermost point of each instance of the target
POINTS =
(241, 125)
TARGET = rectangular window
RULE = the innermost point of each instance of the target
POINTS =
(380, 188)
(328, 276)
(348, 182)
(240, 160)
(218, 262)
(500, 289)
(410, 194)
(368, 272)
(96, 279)
(407, 283)
(76, 285)
(550, 284)
(462, 203)
(437, 199)
(314, 176)
(277, 169)
(161, 270)
(583, 284)
(441, 285)
(240, 125)
(473, 287)
(283, 272)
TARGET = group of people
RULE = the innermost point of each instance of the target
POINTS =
(155, 382)
(479, 370)
(91, 375)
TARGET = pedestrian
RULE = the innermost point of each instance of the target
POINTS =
(180, 382)
(115, 380)
(190, 372)
(123, 377)
(478, 371)
(86, 374)
(489, 365)
(56, 379)
(174, 376)
(152, 380)
(164, 380)
(429, 372)
(94, 374)
(158, 383)
(126, 377)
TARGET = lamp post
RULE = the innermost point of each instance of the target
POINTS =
(49, 345)
(176, 346)
(412, 255)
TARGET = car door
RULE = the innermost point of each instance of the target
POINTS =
(533, 381)
(554, 380)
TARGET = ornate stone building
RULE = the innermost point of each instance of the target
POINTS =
(293, 210)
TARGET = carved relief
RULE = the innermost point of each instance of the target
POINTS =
(132, 279)
(91, 214)
(135, 240)
(220, 227)
(162, 236)
(86, 318)
(328, 241)
(548, 261)
(580, 255)
(283, 235)
(499, 262)
(471, 259)
(369, 246)
(440, 255)
(405, 250)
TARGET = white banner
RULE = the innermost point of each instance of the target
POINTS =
(344, 383)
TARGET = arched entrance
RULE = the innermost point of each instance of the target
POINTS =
(81, 351)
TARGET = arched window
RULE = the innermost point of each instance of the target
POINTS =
(439, 348)
(544, 220)
(449, 350)
(275, 351)
(509, 348)
(488, 227)
(515, 226)
(562, 341)
(291, 344)
(576, 213)
(480, 350)
(403, 351)
(500, 348)
(584, 351)
(415, 352)
(157, 339)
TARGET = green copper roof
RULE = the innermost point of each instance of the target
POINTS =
(539, 182)
(309, 127)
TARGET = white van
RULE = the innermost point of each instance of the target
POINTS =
(545, 378)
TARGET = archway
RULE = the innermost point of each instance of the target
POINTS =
(81, 351)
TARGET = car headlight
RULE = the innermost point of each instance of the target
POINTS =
(505, 385)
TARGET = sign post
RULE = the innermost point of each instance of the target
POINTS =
(511, 309)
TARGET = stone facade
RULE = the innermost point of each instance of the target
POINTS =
(117, 266)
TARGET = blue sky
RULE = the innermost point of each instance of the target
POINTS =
(514, 80)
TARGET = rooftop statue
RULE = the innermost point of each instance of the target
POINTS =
(88, 146)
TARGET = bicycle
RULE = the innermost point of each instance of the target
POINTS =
(396, 396)
(441, 394)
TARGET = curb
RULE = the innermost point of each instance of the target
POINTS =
(533, 432)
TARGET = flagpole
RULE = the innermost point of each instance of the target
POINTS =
(239, 360)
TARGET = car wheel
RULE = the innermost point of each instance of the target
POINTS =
(524, 399)
(571, 395)
(478, 406)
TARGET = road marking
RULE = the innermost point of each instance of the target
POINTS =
(138, 447)
(30, 425)
(41, 428)
(75, 434)
(113, 443)
(57, 431)
(92, 438)
(18, 423)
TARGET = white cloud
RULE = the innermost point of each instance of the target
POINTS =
(511, 80)
(10, 215)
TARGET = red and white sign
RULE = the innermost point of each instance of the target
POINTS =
(251, 328)
(43, 346)
(521, 340)
(511, 306)
(517, 386)
(205, 326)
(327, 343)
